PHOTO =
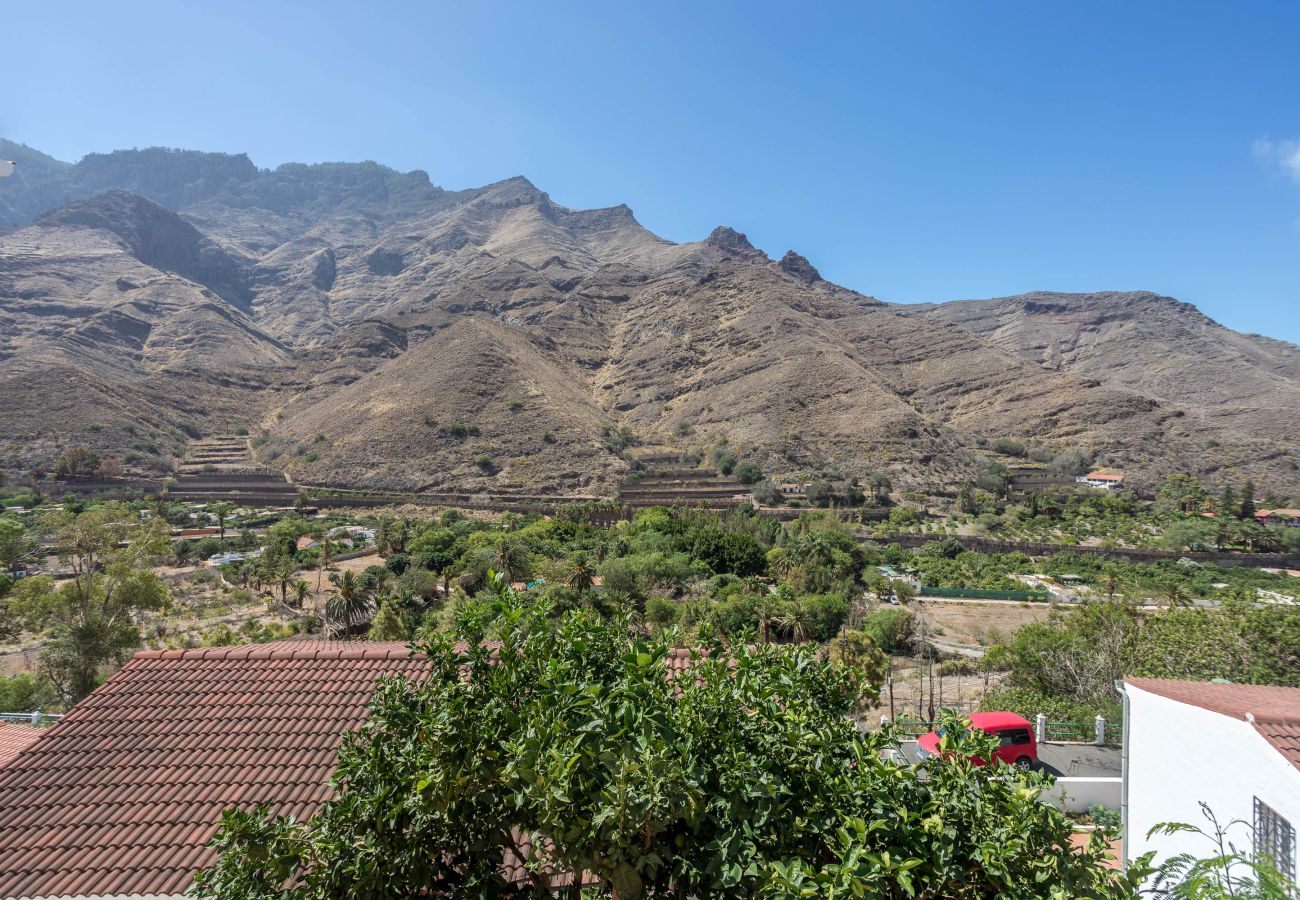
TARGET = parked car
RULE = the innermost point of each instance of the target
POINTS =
(1016, 745)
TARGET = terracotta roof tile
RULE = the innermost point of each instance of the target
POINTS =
(16, 738)
(122, 796)
(1273, 710)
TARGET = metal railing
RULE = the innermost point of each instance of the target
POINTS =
(36, 718)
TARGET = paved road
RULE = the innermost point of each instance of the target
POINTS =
(1065, 759)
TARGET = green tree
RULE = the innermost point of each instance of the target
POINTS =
(301, 591)
(1247, 509)
(388, 624)
(797, 620)
(16, 545)
(1180, 494)
(92, 616)
(581, 574)
(350, 608)
(77, 461)
(748, 473)
(747, 779)
(222, 511)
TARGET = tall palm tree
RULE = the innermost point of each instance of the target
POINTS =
(301, 589)
(350, 607)
(512, 560)
(326, 550)
(221, 511)
(769, 615)
(798, 621)
(581, 575)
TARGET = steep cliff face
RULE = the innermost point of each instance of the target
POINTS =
(380, 331)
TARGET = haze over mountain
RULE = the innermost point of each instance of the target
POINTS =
(356, 316)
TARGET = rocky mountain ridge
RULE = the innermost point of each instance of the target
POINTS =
(373, 330)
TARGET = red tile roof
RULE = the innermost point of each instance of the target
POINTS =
(1273, 710)
(123, 795)
(16, 738)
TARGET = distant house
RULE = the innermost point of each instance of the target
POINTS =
(1107, 481)
(790, 489)
(307, 542)
(1234, 747)
(1285, 516)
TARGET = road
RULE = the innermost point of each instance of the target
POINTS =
(1085, 760)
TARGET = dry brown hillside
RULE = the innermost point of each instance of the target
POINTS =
(371, 329)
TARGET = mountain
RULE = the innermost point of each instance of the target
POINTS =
(374, 330)
(1148, 345)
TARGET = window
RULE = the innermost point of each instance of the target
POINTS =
(1018, 737)
(1274, 839)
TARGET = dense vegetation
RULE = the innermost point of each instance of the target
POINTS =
(740, 776)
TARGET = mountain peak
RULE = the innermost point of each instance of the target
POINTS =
(798, 267)
(729, 240)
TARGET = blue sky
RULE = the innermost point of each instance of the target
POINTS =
(911, 150)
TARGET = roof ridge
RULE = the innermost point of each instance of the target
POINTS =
(288, 650)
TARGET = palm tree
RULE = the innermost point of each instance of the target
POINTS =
(1111, 583)
(221, 511)
(781, 562)
(769, 614)
(512, 560)
(798, 621)
(1174, 593)
(350, 607)
(581, 575)
(326, 549)
(301, 589)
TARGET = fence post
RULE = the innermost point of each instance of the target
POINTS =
(1040, 728)
(1101, 731)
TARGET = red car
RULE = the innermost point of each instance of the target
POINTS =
(1016, 745)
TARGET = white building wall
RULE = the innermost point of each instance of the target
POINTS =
(1179, 755)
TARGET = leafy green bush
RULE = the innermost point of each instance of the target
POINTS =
(747, 779)
(26, 692)
(748, 473)
(891, 629)
(1008, 447)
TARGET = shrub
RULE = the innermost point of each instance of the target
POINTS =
(891, 629)
(241, 431)
(459, 430)
(748, 473)
(311, 457)
(662, 612)
(483, 461)
(514, 405)
(1009, 447)
(190, 429)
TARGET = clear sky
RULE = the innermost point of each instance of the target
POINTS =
(912, 150)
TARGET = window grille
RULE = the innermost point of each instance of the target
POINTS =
(1274, 839)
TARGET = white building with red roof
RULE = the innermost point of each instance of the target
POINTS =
(1104, 479)
(1233, 747)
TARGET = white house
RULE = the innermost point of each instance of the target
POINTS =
(1107, 481)
(1234, 747)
